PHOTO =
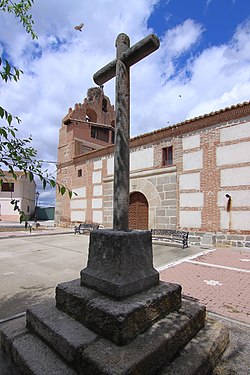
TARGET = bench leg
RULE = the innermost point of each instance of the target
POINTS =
(185, 245)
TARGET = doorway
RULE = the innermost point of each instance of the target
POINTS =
(138, 211)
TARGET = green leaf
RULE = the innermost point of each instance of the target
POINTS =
(9, 118)
(63, 189)
(31, 176)
(7, 67)
(22, 217)
(52, 183)
(3, 133)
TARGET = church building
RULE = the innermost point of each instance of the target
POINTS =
(194, 175)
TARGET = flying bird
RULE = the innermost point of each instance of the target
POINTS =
(79, 27)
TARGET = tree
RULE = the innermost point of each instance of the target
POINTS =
(16, 153)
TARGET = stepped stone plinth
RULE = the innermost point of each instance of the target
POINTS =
(118, 320)
(85, 331)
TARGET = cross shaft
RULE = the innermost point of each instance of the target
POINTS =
(126, 56)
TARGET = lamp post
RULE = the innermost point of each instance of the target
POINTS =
(36, 201)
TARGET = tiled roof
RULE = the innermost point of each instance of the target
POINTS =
(193, 119)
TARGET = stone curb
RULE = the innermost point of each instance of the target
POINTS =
(33, 234)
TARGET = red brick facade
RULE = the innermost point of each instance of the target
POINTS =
(188, 194)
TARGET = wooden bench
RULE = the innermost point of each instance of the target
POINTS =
(172, 235)
(85, 227)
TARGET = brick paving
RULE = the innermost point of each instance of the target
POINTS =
(228, 257)
(219, 279)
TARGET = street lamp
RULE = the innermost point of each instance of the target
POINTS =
(36, 201)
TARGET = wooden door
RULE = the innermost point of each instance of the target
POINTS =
(138, 211)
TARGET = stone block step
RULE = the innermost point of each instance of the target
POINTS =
(30, 354)
(118, 321)
(150, 351)
(64, 334)
(201, 354)
(10, 331)
(33, 357)
(181, 336)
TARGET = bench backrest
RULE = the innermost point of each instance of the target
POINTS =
(88, 226)
(169, 232)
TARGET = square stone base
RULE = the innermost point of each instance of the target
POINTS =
(120, 263)
(118, 321)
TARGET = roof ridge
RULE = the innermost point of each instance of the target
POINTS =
(213, 113)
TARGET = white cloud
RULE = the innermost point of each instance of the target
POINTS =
(59, 67)
(216, 78)
(181, 38)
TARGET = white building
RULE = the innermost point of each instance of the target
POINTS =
(20, 189)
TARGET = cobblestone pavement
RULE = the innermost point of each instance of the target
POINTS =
(219, 278)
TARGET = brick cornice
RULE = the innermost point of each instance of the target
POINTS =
(197, 123)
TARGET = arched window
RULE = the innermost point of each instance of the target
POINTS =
(91, 115)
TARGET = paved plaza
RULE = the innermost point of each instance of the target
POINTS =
(31, 266)
(220, 279)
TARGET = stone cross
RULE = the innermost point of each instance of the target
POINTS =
(126, 56)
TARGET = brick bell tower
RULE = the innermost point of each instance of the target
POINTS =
(89, 126)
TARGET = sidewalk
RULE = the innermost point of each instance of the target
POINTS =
(10, 230)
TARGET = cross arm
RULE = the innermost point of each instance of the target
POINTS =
(131, 56)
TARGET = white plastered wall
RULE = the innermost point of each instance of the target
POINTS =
(235, 181)
(190, 219)
(192, 160)
(78, 204)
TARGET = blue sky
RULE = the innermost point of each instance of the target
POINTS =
(202, 65)
(218, 17)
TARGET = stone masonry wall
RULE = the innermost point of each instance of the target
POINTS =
(221, 239)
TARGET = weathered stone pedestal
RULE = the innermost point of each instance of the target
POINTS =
(97, 325)
(120, 263)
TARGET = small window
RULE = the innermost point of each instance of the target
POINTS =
(79, 172)
(167, 156)
(8, 186)
(93, 132)
(99, 133)
(104, 105)
(113, 137)
(28, 209)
